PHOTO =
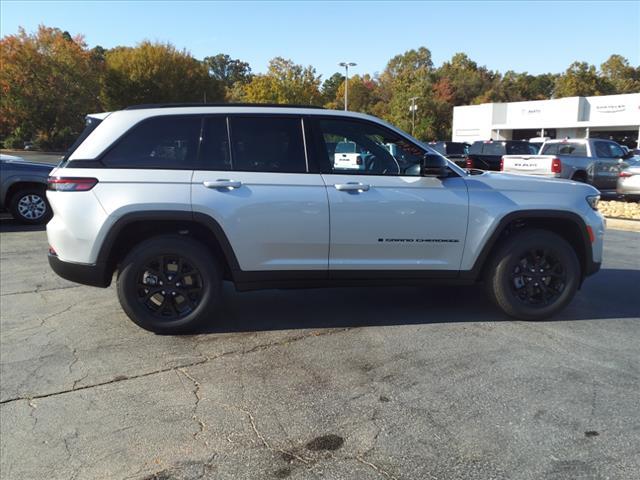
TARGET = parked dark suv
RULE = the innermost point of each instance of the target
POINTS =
(486, 155)
(454, 151)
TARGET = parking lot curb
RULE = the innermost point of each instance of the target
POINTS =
(623, 224)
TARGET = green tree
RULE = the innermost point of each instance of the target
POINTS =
(364, 95)
(408, 75)
(330, 89)
(469, 82)
(285, 82)
(228, 70)
(49, 81)
(156, 73)
(622, 77)
(581, 79)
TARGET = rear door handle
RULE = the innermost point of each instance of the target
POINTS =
(352, 187)
(222, 183)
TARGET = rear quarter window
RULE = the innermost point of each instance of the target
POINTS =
(169, 142)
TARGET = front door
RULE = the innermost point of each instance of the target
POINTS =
(385, 216)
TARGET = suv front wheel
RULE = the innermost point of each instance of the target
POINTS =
(169, 284)
(533, 275)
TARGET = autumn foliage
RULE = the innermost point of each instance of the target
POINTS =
(50, 80)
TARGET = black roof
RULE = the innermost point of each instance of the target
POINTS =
(174, 105)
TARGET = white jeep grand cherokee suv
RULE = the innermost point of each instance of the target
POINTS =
(178, 198)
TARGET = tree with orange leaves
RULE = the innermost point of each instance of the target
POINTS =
(49, 82)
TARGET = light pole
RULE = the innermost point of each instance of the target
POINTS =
(413, 109)
(346, 66)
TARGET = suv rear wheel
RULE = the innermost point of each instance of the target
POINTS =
(29, 205)
(533, 275)
(169, 284)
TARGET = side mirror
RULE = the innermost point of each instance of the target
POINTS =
(433, 165)
(627, 155)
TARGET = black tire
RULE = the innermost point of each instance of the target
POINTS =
(168, 306)
(527, 294)
(29, 205)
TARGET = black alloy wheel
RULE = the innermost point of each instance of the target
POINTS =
(539, 278)
(169, 286)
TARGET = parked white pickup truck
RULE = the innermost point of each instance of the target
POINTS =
(590, 160)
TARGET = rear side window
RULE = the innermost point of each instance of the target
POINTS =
(549, 149)
(267, 144)
(161, 142)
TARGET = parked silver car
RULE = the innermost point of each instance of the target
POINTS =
(22, 189)
(629, 180)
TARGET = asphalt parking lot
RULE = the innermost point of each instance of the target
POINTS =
(400, 383)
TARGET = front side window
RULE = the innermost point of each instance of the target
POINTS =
(160, 142)
(372, 150)
(267, 144)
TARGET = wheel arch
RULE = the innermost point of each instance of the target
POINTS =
(567, 225)
(132, 228)
(17, 184)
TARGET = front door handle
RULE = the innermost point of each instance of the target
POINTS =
(352, 187)
(222, 183)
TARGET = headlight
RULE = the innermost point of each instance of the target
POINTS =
(593, 200)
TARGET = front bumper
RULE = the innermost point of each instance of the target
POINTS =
(94, 275)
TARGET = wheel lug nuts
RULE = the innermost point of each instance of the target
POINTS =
(163, 292)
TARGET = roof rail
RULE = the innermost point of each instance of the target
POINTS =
(174, 105)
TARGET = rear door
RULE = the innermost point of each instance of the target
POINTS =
(388, 220)
(253, 179)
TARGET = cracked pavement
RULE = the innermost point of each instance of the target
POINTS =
(390, 384)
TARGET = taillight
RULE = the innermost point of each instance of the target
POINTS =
(625, 174)
(556, 165)
(71, 184)
(358, 160)
(468, 162)
(501, 164)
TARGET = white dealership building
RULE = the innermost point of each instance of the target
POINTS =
(610, 116)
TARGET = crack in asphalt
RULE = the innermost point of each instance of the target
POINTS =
(206, 359)
(263, 440)
(196, 393)
(375, 467)
(37, 290)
